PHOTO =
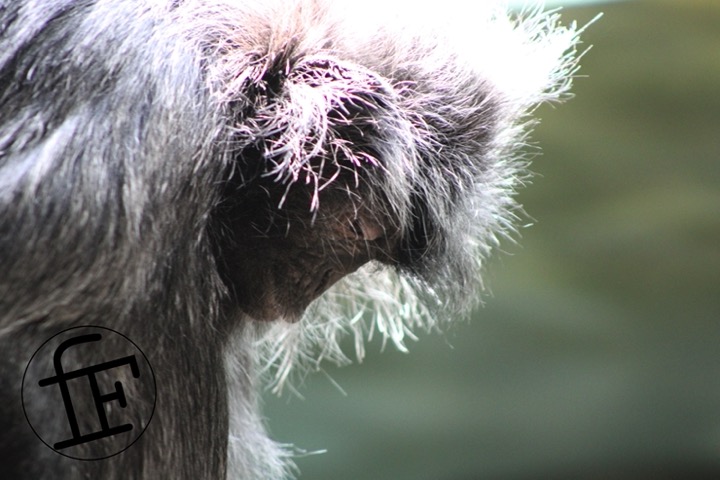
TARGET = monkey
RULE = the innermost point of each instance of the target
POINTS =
(236, 185)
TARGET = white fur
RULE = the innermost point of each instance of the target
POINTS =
(529, 60)
(523, 60)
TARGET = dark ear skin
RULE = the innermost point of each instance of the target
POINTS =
(275, 260)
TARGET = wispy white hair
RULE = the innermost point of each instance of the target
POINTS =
(520, 60)
(447, 90)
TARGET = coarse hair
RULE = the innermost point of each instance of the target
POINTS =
(452, 92)
(132, 134)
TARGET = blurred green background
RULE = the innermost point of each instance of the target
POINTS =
(597, 354)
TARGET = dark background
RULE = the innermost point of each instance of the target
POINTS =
(597, 354)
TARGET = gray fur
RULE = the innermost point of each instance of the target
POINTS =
(155, 155)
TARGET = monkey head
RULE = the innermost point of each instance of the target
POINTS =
(399, 153)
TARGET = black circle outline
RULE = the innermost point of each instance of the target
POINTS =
(22, 393)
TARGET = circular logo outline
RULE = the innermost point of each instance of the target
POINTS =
(154, 403)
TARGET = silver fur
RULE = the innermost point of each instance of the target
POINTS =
(127, 127)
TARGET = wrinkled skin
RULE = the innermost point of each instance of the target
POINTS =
(287, 257)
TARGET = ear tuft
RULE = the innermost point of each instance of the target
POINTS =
(318, 123)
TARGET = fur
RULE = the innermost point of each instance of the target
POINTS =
(135, 135)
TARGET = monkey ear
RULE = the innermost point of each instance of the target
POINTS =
(318, 121)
